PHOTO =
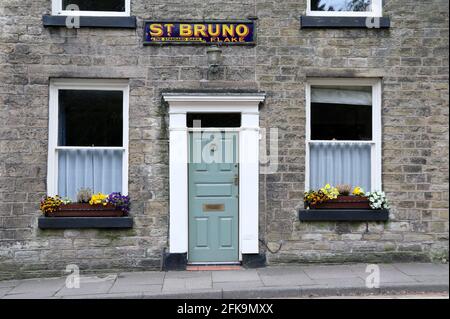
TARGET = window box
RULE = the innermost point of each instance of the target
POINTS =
(85, 223)
(86, 210)
(344, 215)
(91, 22)
(344, 202)
(313, 22)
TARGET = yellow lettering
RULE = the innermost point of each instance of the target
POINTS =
(227, 30)
(169, 27)
(185, 30)
(200, 30)
(156, 30)
(215, 33)
(242, 30)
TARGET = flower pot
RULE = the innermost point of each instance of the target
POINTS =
(344, 202)
(86, 210)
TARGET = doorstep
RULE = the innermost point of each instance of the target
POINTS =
(213, 267)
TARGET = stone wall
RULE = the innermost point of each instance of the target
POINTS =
(411, 57)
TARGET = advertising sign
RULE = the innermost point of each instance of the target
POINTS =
(188, 32)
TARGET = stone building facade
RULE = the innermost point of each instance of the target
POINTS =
(409, 58)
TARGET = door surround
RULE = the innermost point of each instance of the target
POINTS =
(180, 105)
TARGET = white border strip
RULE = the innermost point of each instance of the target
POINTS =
(80, 84)
(376, 157)
(246, 104)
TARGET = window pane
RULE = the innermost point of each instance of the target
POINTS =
(214, 119)
(97, 5)
(90, 118)
(98, 170)
(341, 5)
(341, 113)
(340, 164)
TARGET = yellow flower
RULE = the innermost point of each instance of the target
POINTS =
(99, 199)
(358, 191)
(330, 192)
(50, 205)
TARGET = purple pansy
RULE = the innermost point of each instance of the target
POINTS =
(120, 201)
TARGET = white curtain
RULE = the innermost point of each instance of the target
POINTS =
(340, 163)
(99, 170)
(341, 96)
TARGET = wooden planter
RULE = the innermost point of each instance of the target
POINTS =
(344, 215)
(344, 202)
(87, 210)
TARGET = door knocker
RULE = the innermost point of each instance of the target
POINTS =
(213, 147)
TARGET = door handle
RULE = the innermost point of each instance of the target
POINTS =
(236, 180)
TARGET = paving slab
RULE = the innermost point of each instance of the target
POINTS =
(284, 277)
(141, 278)
(235, 276)
(388, 274)
(238, 285)
(29, 295)
(4, 291)
(175, 284)
(187, 274)
(327, 272)
(9, 283)
(198, 294)
(421, 269)
(346, 282)
(134, 288)
(445, 266)
(105, 296)
(431, 279)
(89, 288)
(38, 287)
(276, 270)
(274, 292)
(185, 280)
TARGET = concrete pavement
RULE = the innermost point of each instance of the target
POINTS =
(272, 282)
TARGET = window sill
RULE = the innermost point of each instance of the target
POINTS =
(85, 222)
(315, 22)
(92, 22)
(345, 215)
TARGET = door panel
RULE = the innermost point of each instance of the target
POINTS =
(202, 232)
(214, 190)
(226, 233)
(213, 197)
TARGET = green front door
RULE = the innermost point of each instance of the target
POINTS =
(213, 197)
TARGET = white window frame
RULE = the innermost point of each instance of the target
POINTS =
(57, 9)
(377, 11)
(376, 154)
(83, 84)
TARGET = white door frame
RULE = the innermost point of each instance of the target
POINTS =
(246, 104)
